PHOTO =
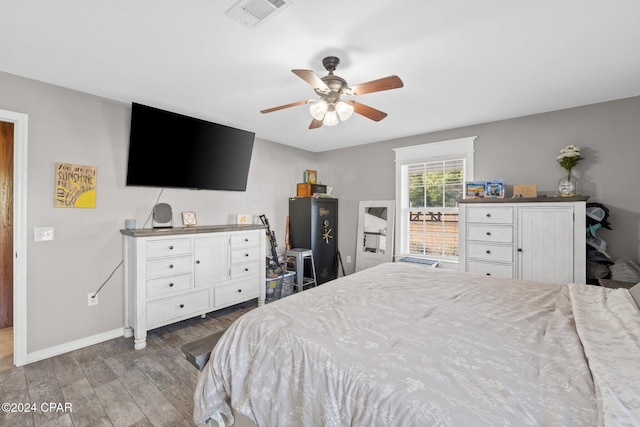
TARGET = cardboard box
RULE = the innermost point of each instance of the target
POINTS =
(307, 190)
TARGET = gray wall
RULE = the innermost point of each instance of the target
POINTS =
(73, 127)
(520, 151)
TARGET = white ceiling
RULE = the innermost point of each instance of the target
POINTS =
(463, 62)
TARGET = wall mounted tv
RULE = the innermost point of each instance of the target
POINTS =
(172, 150)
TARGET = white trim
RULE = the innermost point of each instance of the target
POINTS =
(20, 127)
(57, 350)
(429, 152)
(434, 150)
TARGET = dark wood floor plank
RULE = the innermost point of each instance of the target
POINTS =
(157, 408)
(118, 404)
(87, 410)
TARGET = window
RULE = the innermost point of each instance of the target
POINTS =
(429, 179)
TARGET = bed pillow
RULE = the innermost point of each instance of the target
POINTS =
(635, 293)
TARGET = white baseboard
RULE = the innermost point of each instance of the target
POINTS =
(73, 345)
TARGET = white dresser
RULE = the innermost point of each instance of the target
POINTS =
(542, 239)
(173, 274)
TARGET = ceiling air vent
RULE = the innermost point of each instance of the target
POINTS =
(253, 13)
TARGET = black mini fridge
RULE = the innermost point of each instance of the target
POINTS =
(313, 224)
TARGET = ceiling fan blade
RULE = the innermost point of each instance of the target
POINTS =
(315, 123)
(282, 107)
(368, 112)
(385, 83)
(311, 78)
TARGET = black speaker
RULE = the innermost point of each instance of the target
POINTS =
(162, 216)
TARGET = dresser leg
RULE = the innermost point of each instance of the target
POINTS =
(140, 341)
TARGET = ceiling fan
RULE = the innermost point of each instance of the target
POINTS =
(330, 108)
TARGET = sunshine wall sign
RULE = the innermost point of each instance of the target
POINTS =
(75, 186)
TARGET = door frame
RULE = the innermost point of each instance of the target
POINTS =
(20, 126)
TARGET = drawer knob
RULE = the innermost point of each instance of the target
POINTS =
(171, 285)
(246, 254)
(171, 247)
(239, 290)
(181, 305)
(488, 233)
(488, 274)
(197, 261)
(170, 265)
(488, 215)
(246, 240)
(488, 251)
(246, 269)
(519, 249)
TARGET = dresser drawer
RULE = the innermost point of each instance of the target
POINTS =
(241, 240)
(242, 291)
(490, 214)
(488, 269)
(489, 252)
(246, 269)
(161, 248)
(169, 310)
(489, 233)
(244, 255)
(169, 266)
(168, 285)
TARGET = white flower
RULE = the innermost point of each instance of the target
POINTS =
(569, 157)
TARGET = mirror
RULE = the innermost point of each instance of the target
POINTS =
(375, 233)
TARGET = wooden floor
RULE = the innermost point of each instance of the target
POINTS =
(111, 384)
(6, 349)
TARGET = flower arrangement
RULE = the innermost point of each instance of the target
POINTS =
(569, 157)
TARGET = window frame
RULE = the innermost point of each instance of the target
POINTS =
(461, 148)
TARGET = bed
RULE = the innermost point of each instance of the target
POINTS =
(403, 344)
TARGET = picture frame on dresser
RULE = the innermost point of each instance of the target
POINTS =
(189, 219)
(494, 189)
(474, 189)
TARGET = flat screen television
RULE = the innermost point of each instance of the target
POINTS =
(167, 149)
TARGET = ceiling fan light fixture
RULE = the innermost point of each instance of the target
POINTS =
(319, 109)
(330, 118)
(329, 109)
(344, 110)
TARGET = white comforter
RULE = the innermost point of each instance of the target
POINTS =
(406, 345)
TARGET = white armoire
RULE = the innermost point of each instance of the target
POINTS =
(541, 239)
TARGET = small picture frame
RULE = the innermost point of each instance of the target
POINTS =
(474, 189)
(189, 219)
(494, 189)
(525, 190)
(243, 219)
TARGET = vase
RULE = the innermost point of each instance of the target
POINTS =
(568, 186)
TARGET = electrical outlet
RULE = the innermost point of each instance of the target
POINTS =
(92, 299)
(348, 259)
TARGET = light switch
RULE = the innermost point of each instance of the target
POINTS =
(41, 234)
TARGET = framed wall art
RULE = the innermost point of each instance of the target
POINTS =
(75, 186)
